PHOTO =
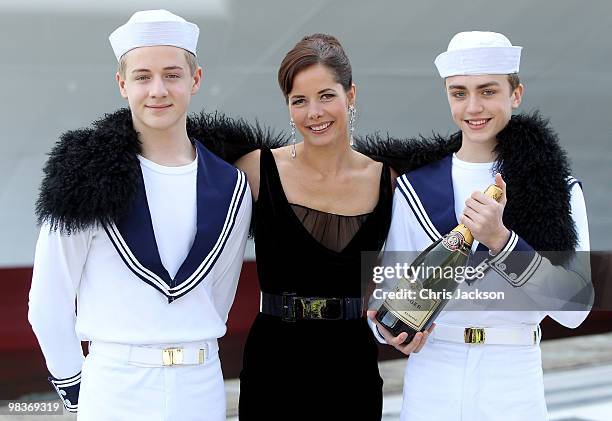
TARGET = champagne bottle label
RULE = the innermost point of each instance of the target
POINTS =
(408, 304)
(415, 312)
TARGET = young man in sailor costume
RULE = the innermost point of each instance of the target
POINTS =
(141, 245)
(484, 363)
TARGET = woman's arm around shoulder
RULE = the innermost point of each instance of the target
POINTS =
(249, 163)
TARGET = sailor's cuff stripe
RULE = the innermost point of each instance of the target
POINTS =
(528, 273)
(510, 262)
(403, 185)
(70, 407)
(192, 281)
(571, 181)
(506, 250)
(69, 381)
(63, 387)
(518, 281)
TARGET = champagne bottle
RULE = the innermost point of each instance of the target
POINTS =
(416, 314)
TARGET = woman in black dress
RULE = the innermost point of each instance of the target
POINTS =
(310, 353)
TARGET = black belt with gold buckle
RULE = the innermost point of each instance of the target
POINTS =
(291, 307)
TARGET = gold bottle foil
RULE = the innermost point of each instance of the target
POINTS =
(494, 192)
(465, 233)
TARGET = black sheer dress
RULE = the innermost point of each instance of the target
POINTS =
(311, 369)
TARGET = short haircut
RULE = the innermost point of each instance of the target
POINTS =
(513, 79)
(315, 49)
(192, 62)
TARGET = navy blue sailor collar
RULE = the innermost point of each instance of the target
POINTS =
(430, 194)
(220, 189)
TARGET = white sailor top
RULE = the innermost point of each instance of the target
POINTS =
(166, 273)
(426, 206)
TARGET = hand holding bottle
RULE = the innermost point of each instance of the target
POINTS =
(483, 216)
(398, 342)
(423, 296)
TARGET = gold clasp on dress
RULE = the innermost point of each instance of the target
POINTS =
(172, 356)
(474, 335)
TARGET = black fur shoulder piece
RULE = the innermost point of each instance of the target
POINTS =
(536, 169)
(404, 155)
(231, 138)
(92, 174)
(531, 161)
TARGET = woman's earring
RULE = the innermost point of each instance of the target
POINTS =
(292, 124)
(351, 112)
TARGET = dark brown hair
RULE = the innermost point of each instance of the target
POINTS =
(315, 49)
(514, 80)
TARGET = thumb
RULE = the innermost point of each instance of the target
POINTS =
(499, 181)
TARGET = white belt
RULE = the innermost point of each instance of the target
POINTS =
(508, 335)
(182, 354)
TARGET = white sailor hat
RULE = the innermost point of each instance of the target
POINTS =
(479, 53)
(154, 27)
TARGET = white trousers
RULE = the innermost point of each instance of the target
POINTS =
(114, 390)
(453, 381)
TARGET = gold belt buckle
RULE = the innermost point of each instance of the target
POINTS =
(474, 335)
(172, 356)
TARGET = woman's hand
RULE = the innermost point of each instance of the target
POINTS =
(415, 345)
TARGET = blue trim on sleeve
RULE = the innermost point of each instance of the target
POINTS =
(571, 181)
(68, 390)
(516, 262)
